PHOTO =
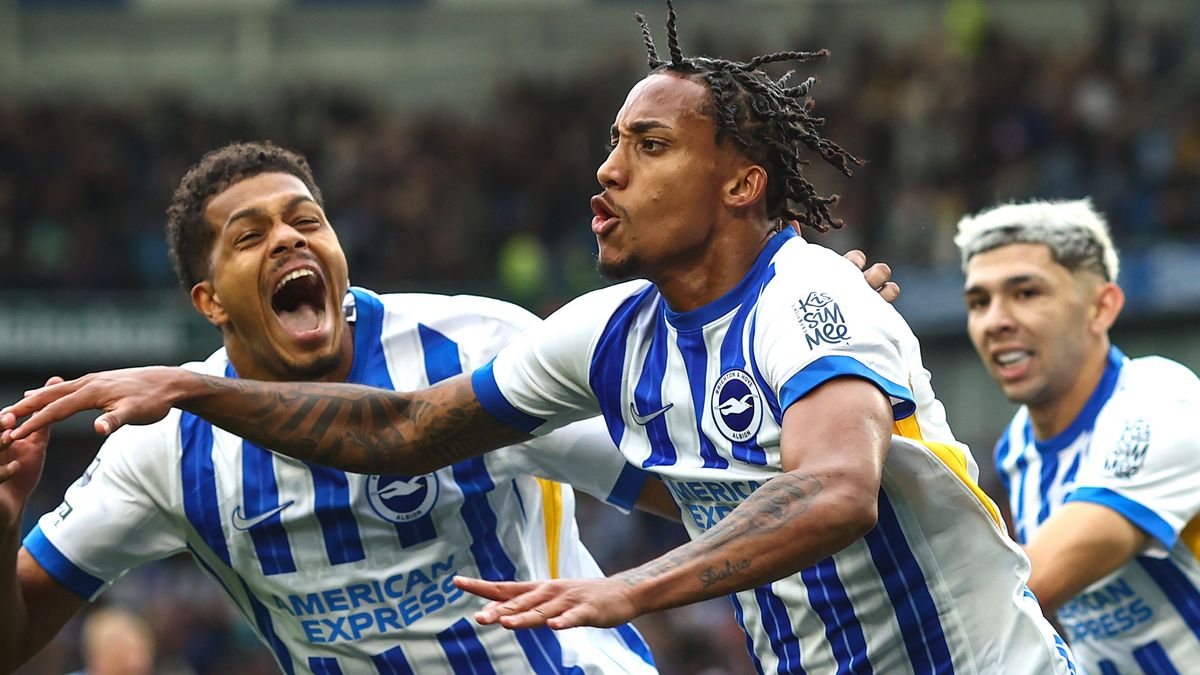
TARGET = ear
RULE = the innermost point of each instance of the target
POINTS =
(747, 186)
(1107, 305)
(206, 301)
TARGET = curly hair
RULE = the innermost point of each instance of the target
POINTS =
(770, 122)
(189, 236)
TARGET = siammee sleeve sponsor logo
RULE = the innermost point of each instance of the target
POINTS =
(402, 499)
(737, 406)
(1127, 457)
(822, 320)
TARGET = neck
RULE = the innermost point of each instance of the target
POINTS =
(721, 264)
(1053, 417)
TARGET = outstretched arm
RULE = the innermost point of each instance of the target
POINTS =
(350, 427)
(833, 446)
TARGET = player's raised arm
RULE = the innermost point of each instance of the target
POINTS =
(350, 427)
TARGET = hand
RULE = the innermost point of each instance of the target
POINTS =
(559, 603)
(879, 275)
(130, 396)
(21, 464)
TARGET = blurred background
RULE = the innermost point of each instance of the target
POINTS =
(456, 142)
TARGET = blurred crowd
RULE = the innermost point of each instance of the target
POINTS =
(952, 123)
(947, 124)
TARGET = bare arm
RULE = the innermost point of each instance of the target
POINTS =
(351, 427)
(833, 446)
(35, 606)
(1077, 546)
(833, 457)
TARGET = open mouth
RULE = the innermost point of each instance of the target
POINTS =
(299, 301)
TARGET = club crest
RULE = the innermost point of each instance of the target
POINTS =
(402, 499)
(737, 406)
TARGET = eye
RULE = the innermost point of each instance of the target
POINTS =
(651, 144)
(246, 238)
(976, 303)
(1027, 293)
(308, 223)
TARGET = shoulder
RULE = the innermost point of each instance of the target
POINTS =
(1155, 378)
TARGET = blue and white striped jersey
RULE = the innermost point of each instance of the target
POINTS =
(1133, 449)
(698, 397)
(348, 573)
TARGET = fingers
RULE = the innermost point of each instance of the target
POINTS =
(890, 291)
(857, 257)
(9, 470)
(36, 399)
(56, 410)
(877, 275)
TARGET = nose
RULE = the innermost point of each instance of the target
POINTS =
(612, 172)
(285, 239)
(998, 320)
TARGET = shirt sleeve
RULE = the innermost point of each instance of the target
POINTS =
(1143, 462)
(541, 380)
(820, 321)
(583, 455)
(112, 518)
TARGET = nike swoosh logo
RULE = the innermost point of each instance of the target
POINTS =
(243, 523)
(645, 419)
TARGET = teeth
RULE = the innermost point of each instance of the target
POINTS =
(1009, 358)
(294, 275)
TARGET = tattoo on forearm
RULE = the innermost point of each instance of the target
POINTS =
(356, 428)
(711, 576)
(772, 506)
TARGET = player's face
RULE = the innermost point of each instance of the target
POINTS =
(278, 276)
(662, 181)
(1028, 317)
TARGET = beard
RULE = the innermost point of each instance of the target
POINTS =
(623, 269)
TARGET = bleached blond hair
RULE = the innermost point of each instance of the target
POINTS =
(1076, 234)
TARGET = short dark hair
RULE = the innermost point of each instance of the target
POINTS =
(770, 122)
(189, 237)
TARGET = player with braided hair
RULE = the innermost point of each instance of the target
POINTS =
(779, 398)
(768, 121)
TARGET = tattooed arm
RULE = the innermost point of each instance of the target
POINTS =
(833, 446)
(350, 427)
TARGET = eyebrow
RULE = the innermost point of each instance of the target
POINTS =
(1007, 283)
(255, 212)
(640, 127)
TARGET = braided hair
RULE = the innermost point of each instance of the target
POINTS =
(769, 121)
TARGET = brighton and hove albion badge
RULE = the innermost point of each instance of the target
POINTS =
(402, 499)
(1127, 457)
(737, 406)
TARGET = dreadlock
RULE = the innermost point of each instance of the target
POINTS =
(769, 121)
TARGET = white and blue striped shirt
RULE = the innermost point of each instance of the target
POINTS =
(347, 573)
(698, 397)
(1132, 449)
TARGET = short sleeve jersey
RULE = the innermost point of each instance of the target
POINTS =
(349, 573)
(1132, 449)
(698, 397)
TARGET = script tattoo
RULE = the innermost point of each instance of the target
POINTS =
(711, 576)
(778, 502)
(356, 428)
